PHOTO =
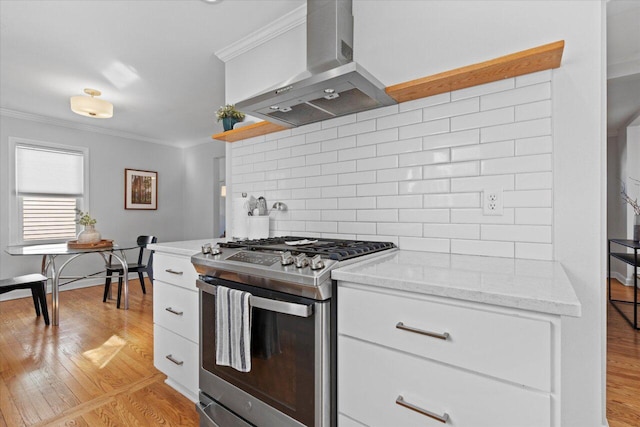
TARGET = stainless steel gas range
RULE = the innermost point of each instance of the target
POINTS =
(292, 381)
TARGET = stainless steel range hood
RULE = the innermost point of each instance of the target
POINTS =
(332, 86)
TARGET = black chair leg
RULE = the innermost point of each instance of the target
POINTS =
(43, 303)
(35, 294)
(107, 287)
(141, 277)
(119, 290)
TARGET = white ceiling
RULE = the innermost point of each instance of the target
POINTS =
(154, 60)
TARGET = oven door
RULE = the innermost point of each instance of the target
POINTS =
(288, 384)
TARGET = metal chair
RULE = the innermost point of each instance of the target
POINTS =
(138, 267)
(37, 283)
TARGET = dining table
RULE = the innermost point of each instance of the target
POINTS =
(50, 254)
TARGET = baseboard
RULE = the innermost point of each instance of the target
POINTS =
(24, 293)
(626, 281)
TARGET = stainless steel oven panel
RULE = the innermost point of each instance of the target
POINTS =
(259, 413)
(214, 415)
(299, 310)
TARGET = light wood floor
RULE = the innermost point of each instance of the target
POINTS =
(96, 368)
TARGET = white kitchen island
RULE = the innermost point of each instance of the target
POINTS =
(426, 338)
(175, 314)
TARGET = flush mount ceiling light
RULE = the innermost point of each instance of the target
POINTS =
(90, 106)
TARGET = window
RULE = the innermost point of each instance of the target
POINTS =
(49, 187)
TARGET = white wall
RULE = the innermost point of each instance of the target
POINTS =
(401, 40)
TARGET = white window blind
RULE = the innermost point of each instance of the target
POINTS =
(44, 171)
(49, 183)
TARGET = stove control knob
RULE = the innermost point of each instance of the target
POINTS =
(317, 263)
(216, 250)
(287, 259)
(301, 260)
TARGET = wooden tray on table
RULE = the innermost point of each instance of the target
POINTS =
(104, 243)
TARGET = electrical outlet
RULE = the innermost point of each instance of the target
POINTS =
(492, 202)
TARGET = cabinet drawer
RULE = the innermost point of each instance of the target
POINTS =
(506, 346)
(185, 354)
(370, 379)
(176, 270)
(176, 309)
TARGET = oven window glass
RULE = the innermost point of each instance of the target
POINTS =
(282, 359)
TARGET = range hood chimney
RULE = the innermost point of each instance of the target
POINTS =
(332, 86)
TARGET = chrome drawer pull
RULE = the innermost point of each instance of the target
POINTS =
(442, 418)
(443, 336)
(179, 273)
(171, 310)
(172, 359)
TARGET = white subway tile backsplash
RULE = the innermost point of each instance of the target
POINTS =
(377, 137)
(356, 128)
(378, 238)
(366, 177)
(452, 231)
(424, 244)
(497, 86)
(357, 227)
(453, 139)
(451, 170)
(425, 186)
(534, 216)
(400, 229)
(339, 167)
(400, 174)
(527, 199)
(424, 157)
(423, 215)
(477, 216)
(535, 110)
(516, 233)
(339, 215)
(328, 157)
(483, 119)
(357, 153)
(441, 98)
(489, 150)
(377, 215)
(518, 96)
(339, 143)
(536, 163)
(540, 251)
(537, 145)
(357, 203)
(397, 120)
(399, 202)
(414, 173)
(424, 129)
(397, 147)
(481, 183)
(483, 248)
(516, 130)
(534, 181)
(381, 189)
(380, 162)
(451, 109)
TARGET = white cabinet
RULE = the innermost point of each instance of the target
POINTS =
(481, 365)
(175, 318)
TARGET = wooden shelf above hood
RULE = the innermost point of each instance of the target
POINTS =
(516, 64)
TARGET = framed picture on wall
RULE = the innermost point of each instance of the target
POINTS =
(140, 189)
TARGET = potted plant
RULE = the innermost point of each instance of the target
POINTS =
(229, 116)
(636, 210)
(89, 234)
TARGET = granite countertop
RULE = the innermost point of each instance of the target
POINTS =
(185, 247)
(540, 286)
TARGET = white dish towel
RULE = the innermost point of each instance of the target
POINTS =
(233, 329)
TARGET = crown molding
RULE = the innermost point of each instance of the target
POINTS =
(79, 126)
(285, 23)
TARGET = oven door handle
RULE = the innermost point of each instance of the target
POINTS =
(293, 309)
